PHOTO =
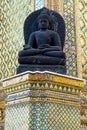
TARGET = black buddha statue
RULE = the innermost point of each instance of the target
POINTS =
(44, 49)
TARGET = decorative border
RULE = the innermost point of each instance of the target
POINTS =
(39, 86)
(46, 100)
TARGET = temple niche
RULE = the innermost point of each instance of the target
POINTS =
(44, 33)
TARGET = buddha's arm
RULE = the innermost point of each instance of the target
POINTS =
(32, 40)
(57, 41)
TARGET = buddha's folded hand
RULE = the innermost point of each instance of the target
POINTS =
(27, 47)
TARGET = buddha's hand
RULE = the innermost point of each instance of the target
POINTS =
(44, 46)
(27, 47)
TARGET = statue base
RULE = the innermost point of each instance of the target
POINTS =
(53, 68)
(42, 101)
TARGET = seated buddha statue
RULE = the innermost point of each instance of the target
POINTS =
(44, 45)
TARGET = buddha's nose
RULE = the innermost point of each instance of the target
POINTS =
(43, 23)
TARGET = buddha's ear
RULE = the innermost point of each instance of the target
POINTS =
(38, 26)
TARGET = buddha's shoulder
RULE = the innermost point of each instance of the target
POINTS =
(34, 33)
(53, 32)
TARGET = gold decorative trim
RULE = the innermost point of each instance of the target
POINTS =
(43, 89)
(2, 104)
(56, 79)
(43, 101)
(49, 82)
(47, 78)
(61, 7)
(78, 42)
(39, 79)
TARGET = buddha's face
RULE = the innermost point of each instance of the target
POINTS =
(43, 23)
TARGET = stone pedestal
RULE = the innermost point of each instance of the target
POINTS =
(53, 68)
(42, 101)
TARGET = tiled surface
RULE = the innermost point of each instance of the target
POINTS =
(17, 117)
(66, 117)
(43, 116)
(70, 44)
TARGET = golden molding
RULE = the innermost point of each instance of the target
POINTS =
(43, 78)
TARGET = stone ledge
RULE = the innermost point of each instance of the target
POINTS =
(42, 76)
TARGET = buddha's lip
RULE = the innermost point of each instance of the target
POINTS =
(43, 29)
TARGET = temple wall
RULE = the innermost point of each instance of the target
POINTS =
(13, 14)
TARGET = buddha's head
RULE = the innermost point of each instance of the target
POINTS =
(43, 21)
